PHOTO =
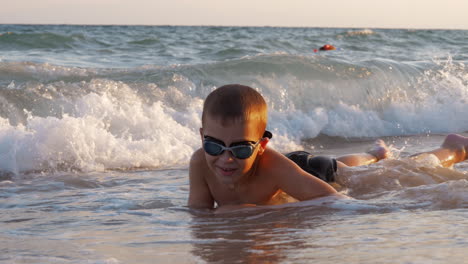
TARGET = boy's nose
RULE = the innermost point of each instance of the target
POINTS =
(227, 156)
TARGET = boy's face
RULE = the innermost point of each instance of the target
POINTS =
(227, 168)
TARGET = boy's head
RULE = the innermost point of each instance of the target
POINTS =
(234, 118)
(236, 103)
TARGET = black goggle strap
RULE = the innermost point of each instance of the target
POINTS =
(267, 134)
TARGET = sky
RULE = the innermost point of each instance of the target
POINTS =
(427, 14)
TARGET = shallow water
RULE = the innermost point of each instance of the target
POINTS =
(401, 213)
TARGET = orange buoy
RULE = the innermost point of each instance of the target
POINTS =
(327, 47)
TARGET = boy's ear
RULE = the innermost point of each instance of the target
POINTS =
(263, 144)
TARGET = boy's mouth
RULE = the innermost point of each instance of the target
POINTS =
(227, 171)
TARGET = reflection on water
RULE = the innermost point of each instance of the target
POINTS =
(301, 235)
(255, 235)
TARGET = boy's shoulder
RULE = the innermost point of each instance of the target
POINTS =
(198, 158)
(273, 161)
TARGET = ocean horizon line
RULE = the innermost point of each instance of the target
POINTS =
(234, 26)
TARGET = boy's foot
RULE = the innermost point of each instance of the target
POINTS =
(380, 150)
(456, 142)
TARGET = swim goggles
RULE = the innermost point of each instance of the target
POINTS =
(240, 150)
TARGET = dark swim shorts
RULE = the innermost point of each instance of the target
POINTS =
(319, 166)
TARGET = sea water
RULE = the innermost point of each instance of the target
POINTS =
(97, 124)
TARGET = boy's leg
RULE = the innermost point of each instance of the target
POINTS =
(452, 150)
(379, 151)
(325, 168)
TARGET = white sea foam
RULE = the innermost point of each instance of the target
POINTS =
(105, 132)
(106, 124)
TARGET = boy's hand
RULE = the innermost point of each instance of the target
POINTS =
(199, 193)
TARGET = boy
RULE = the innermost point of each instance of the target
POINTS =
(235, 169)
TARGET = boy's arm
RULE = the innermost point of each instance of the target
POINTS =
(293, 180)
(199, 192)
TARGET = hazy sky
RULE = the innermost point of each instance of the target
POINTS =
(451, 14)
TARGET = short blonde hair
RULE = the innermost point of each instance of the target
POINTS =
(235, 102)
